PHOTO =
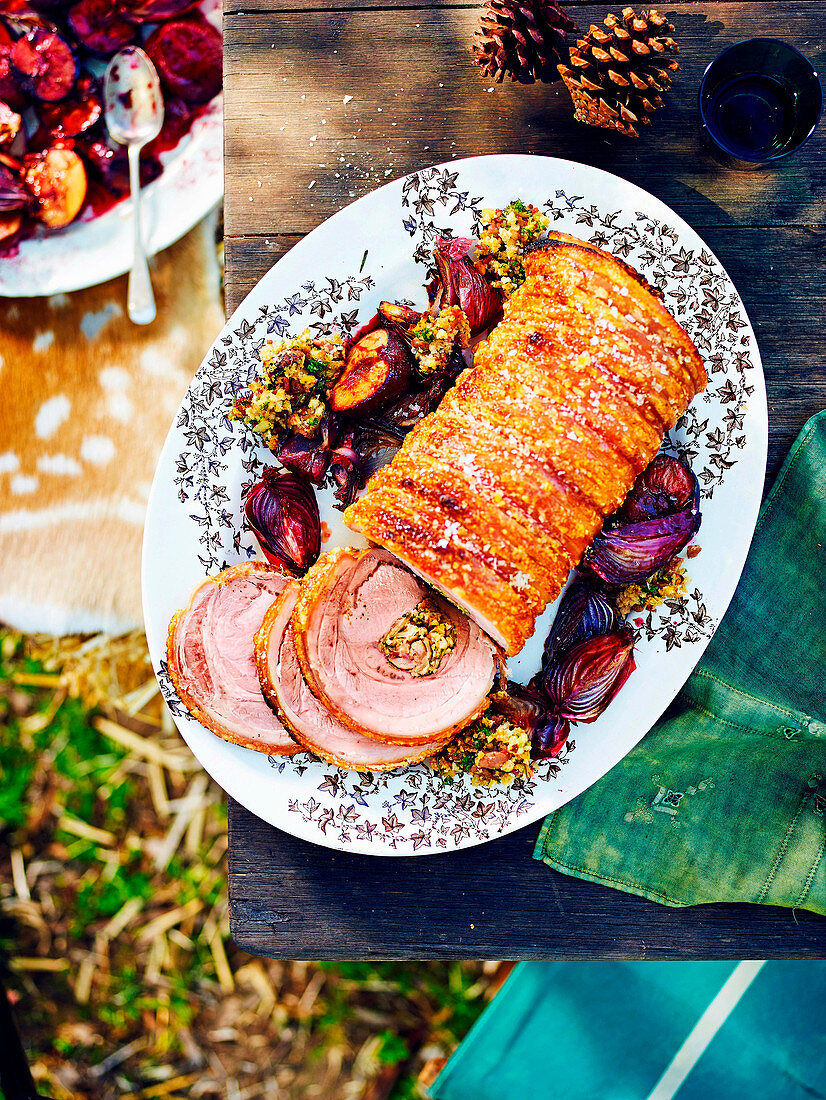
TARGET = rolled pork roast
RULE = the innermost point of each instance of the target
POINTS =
(211, 656)
(494, 497)
(311, 722)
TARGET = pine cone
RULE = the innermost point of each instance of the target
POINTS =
(615, 76)
(524, 38)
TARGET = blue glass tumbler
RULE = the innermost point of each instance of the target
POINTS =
(760, 100)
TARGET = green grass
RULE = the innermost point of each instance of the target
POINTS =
(372, 1019)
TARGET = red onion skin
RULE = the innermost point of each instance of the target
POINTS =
(665, 486)
(549, 737)
(589, 676)
(282, 513)
(583, 613)
(631, 553)
(464, 286)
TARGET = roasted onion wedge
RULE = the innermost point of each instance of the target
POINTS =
(309, 720)
(211, 656)
(348, 603)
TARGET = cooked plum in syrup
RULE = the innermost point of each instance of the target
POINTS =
(73, 116)
(99, 28)
(156, 11)
(188, 55)
(57, 180)
(44, 65)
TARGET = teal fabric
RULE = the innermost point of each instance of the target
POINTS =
(608, 1031)
(725, 798)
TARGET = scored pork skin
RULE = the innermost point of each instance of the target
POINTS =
(348, 601)
(495, 496)
(310, 721)
(211, 657)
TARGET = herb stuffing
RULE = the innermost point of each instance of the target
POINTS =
(290, 395)
(419, 640)
(668, 583)
(506, 235)
(434, 339)
(491, 750)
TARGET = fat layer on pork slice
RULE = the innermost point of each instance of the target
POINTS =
(348, 602)
(211, 656)
(310, 721)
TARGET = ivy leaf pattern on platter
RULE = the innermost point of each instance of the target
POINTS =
(413, 809)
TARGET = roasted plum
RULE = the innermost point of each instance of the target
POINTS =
(177, 120)
(99, 28)
(44, 65)
(57, 180)
(74, 115)
(10, 91)
(377, 371)
(9, 124)
(188, 56)
(393, 313)
(155, 11)
(110, 166)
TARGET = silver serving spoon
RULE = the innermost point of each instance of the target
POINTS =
(133, 107)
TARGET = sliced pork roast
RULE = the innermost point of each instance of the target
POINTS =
(386, 655)
(310, 721)
(211, 656)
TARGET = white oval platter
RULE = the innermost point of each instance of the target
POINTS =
(194, 528)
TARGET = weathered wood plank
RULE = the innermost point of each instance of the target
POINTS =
(291, 899)
(296, 152)
(781, 274)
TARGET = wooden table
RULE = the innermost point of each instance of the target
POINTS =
(328, 99)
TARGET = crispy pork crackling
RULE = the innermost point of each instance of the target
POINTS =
(494, 497)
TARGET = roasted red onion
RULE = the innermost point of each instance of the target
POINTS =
(585, 680)
(630, 553)
(374, 443)
(282, 512)
(346, 469)
(528, 708)
(310, 456)
(524, 706)
(464, 286)
(667, 485)
(358, 453)
(582, 613)
(549, 737)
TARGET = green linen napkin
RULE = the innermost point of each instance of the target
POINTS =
(725, 798)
